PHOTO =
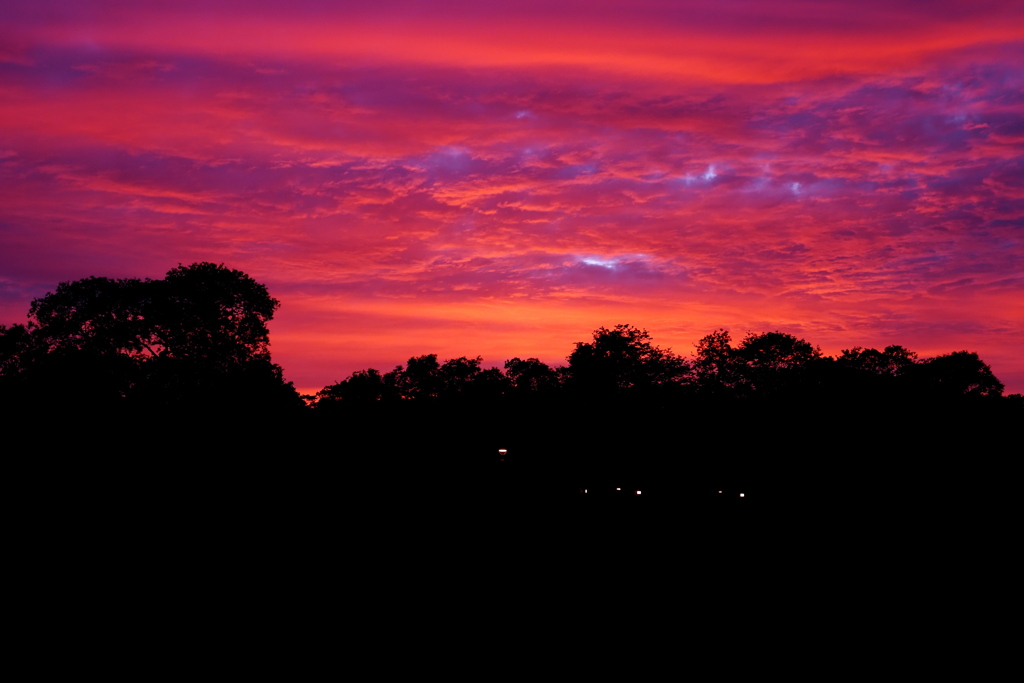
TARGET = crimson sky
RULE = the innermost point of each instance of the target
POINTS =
(501, 178)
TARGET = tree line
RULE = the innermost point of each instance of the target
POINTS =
(623, 362)
(198, 340)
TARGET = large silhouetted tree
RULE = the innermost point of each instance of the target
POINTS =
(202, 312)
(772, 361)
(215, 313)
(198, 336)
(776, 351)
(961, 373)
(623, 358)
(97, 315)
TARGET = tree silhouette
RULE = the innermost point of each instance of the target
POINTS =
(623, 358)
(716, 364)
(199, 335)
(960, 373)
(362, 387)
(202, 311)
(456, 374)
(774, 361)
(488, 385)
(530, 375)
(776, 351)
(15, 346)
(420, 379)
(97, 315)
(892, 362)
(209, 311)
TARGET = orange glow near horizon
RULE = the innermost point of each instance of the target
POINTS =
(451, 178)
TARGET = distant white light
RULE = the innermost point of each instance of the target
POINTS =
(742, 495)
(638, 493)
(503, 451)
(719, 491)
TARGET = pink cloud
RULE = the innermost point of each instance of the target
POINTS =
(456, 181)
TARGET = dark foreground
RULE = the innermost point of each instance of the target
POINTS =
(219, 523)
(270, 562)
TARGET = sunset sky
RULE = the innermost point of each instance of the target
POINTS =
(501, 178)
